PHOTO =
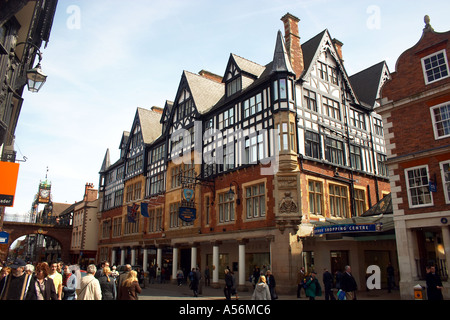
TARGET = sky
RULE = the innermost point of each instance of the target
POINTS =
(105, 58)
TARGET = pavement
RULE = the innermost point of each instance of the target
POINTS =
(169, 291)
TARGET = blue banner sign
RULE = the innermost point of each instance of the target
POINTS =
(187, 214)
(4, 237)
(347, 228)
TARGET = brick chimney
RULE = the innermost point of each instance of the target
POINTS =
(157, 109)
(338, 45)
(292, 39)
(90, 194)
(210, 76)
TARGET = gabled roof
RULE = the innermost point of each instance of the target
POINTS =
(310, 48)
(247, 66)
(367, 83)
(150, 124)
(311, 51)
(205, 92)
(124, 139)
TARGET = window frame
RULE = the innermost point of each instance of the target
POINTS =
(445, 181)
(424, 70)
(258, 198)
(409, 188)
(435, 123)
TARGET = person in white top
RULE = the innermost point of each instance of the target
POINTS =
(90, 286)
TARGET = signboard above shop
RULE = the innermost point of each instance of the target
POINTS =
(348, 228)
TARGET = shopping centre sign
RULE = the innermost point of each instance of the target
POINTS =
(347, 228)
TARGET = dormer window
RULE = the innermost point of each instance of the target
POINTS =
(234, 86)
(435, 67)
(233, 81)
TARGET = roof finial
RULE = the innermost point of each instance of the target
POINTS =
(428, 26)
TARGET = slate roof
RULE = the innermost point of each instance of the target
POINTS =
(205, 92)
(248, 66)
(150, 124)
(281, 62)
(366, 83)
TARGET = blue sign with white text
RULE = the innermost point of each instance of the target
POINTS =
(346, 228)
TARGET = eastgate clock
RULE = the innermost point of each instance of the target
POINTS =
(44, 193)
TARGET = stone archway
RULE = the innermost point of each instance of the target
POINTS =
(61, 233)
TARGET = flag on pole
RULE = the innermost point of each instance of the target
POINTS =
(131, 212)
(144, 209)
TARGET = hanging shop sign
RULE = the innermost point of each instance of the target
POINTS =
(187, 214)
(348, 228)
(9, 172)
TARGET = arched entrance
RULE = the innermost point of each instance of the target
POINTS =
(60, 233)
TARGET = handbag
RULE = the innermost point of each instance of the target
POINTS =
(341, 295)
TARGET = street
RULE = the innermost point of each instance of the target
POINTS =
(168, 291)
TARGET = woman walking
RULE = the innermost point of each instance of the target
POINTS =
(108, 285)
(130, 288)
(45, 288)
(262, 291)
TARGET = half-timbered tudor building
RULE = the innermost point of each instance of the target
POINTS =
(239, 167)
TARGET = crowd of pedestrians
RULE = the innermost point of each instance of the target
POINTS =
(59, 281)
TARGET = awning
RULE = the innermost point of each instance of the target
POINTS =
(378, 219)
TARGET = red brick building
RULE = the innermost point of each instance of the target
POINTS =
(415, 109)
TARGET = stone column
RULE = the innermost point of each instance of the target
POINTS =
(174, 264)
(113, 256)
(133, 256)
(145, 259)
(215, 267)
(193, 256)
(122, 256)
(241, 265)
(159, 257)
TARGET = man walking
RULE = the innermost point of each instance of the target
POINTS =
(348, 284)
(328, 284)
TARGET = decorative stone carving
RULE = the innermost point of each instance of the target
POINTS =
(287, 204)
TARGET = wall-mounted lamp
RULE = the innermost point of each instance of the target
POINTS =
(35, 77)
(231, 193)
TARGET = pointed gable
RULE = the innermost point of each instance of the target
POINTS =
(368, 82)
(315, 47)
(150, 124)
(281, 62)
(205, 92)
(106, 162)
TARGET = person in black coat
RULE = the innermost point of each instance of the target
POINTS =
(228, 284)
(434, 284)
(194, 282)
(328, 284)
(348, 284)
(271, 283)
